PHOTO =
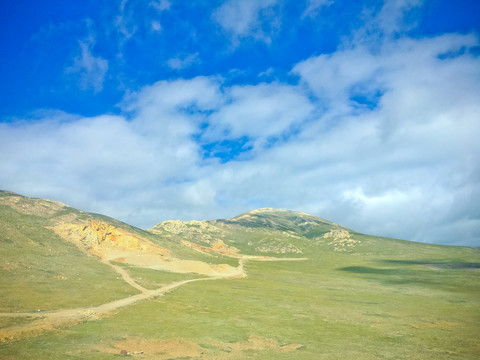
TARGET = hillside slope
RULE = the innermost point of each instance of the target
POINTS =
(267, 284)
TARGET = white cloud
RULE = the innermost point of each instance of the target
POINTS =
(248, 18)
(161, 5)
(156, 26)
(391, 17)
(124, 23)
(314, 7)
(134, 15)
(260, 111)
(182, 62)
(90, 69)
(382, 139)
(126, 168)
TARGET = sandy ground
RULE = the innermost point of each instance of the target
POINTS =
(183, 348)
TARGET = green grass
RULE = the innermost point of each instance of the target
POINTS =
(383, 299)
(40, 271)
(153, 279)
(333, 312)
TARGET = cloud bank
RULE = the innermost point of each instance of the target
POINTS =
(379, 136)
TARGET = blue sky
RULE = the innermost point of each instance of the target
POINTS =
(364, 113)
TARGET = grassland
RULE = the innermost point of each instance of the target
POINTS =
(379, 299)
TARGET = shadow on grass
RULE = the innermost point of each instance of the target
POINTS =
(370, 270)
(440, 264)
(429, 277)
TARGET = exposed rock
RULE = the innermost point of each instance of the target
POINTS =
(99, 237)
(29, 206)
(115, 244)
(337, 234)
(341, 240)
(192, 230)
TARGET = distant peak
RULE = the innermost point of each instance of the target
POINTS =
(272, 210)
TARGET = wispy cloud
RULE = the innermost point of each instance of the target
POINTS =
(394, 18)
(182, 62)
(391, 18)
(133, 16)
(124, 22)
(248, 18)
(315, 6)
(90, 70)
(160, 5)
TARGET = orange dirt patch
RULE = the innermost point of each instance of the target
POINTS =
(167, 349)
(261, 343)
(99, 238)
(180, 348)
(115, 244)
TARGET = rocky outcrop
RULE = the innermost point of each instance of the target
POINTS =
(98, 237)
(111, 243)
(341, 240)
(337, 234)
(29, 206)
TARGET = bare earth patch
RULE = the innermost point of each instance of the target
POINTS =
(110, 243)
(180, 348)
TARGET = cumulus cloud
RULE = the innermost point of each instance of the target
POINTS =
(377, 136)
(413, 115)
(260, 111)
(248, 18)
(126, 168)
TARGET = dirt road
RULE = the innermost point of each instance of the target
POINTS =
(49, 320)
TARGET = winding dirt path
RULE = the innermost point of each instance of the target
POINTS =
(126, 277)
(49, 320)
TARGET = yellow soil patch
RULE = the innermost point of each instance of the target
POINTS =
(260, 343)
(99, 238)
(179, 348)
(168, 348)
(158, 262)
(110, 243)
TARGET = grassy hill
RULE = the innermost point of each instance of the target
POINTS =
(267, 284)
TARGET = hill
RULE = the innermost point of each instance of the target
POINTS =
(266, 284)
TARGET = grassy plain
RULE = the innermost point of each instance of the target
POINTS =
(379, 299)
(334, 306)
